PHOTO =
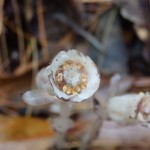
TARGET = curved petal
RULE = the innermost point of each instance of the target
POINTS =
(37, 97)
(42, 81)
(93, 80)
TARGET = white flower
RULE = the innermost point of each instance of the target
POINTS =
(73, 76)
(130, 108)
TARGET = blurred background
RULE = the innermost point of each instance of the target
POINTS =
(114, 33)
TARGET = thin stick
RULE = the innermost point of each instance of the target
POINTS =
(35, 62)
(21, 44)
(1, 64)
(1, 15)
(43, 38)
(16, 29)
(28, 52)
(28, 10)
(29, 111)
(34, 71)
(5, 57)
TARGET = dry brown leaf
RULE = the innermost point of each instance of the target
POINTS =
(19, 128)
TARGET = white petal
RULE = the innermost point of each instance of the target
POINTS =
(42, 81)
(37, 97)
(93, 81)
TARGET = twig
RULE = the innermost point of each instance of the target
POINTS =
(21, 44)
(1, 15)
(34, 70)
(43, 38)
(1, 65)
(34, 60)
(5, 57)
(28, 10)
(29, 51)
(16, 29)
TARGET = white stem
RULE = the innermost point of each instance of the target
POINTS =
(62, 124)
(66, 109)
(95, 129)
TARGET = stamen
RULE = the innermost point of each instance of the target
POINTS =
(68, 91)
(65, 88)
(77, 89)
(74, 92)
(83, 79)
(59, 77)
(71, 77)
(65, 66)
(82, 86)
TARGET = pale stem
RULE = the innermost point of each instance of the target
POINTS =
(29, 111)
(34, 71)
(66, 109)
(60, 142)
(95, 128)
(65, 113)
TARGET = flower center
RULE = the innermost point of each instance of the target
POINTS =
(71, 77)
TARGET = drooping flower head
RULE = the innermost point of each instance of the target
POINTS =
(73, 76)
(130, 108)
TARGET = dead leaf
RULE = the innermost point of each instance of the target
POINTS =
(19, 128)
